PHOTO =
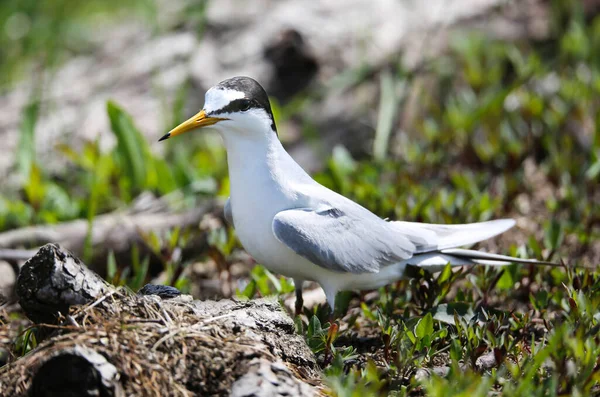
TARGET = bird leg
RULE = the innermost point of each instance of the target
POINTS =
(299, 300)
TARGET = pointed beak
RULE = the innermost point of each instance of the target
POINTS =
(197, 121)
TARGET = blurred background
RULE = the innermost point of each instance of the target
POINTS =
(438, 111)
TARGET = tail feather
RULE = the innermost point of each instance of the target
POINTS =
(436, 261)
(479, 256)
(436, 244)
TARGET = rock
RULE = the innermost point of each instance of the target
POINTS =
(164, 291)
(489, 360)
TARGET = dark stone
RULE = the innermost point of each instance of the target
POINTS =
(164, 291)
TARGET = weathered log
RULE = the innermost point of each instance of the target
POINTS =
(169, 346)
(74, 372)
(116, 232)
(12, 255)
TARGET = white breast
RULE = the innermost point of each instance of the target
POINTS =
(257, 194)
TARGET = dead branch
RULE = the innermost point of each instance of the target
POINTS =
(115, 232)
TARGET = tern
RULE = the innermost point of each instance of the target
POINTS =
(298, 228)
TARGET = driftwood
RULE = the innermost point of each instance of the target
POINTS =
(115, 232)
(76, 371)
(15, 255)
(164, 344)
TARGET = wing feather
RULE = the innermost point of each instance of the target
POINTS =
(452, 236)
(337, 241)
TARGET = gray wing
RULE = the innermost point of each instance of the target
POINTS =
(338, 241)
(227, 212)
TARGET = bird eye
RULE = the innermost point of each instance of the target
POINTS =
(244, 105)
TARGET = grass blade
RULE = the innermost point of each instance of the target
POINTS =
(388, 105)
(132, 148)
(26, 148)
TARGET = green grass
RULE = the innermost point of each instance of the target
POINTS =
(495, 130)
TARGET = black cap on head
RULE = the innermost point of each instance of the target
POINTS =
(254, 97)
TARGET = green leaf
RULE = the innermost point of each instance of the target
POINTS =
(165, 181)
(111, 267)
(26, 148)
(26, 342)
(424, 327)
(446, 274)
(425, 341)
(535, 247)
(506, 281)
(594, 170)
(368, 313)
(286, 285)
(540, 300)
(35, 188)
(141, 271)
(342, 302)
(410, 335)
(132, 148)
(274, 281)
(553, 234)
(314, 327)
(174, 237)
(249, 291)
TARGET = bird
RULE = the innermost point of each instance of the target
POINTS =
(299, 228)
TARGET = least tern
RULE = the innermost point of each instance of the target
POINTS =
(298, 228)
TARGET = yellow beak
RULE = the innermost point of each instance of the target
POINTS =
(197, 121)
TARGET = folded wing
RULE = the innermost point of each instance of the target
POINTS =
(337, 241)
(360, 242)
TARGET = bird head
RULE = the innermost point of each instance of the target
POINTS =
(235, 106)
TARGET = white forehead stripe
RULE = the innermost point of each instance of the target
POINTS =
(218, 98)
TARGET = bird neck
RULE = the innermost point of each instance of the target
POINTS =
(262, 159)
